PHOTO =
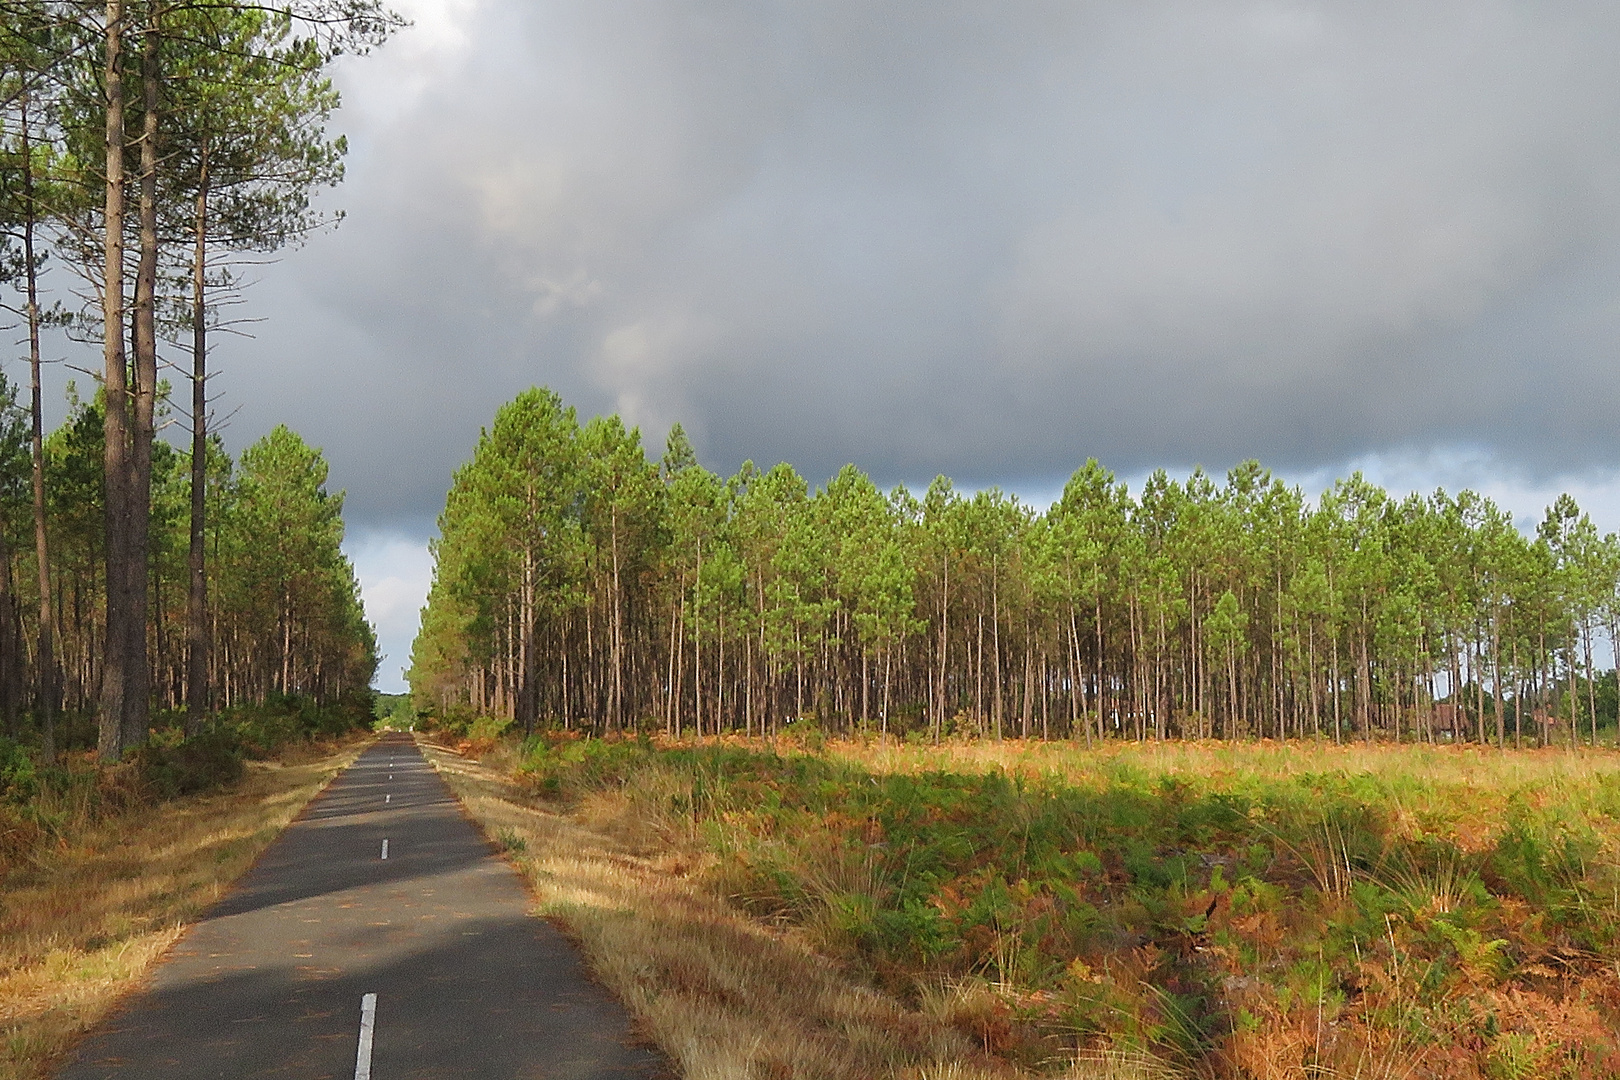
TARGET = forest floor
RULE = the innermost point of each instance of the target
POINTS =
(84, 919)
(975, 909)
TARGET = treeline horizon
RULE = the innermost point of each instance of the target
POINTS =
(579, 583)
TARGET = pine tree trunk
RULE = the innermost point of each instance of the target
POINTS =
(45, 691)
(527, 704)
(995, 627)
(10, 646)
(616, 712)
(197, 593)
(1496, 677)
(1591, 680)
(944, 645)
(115, 676)
(144, 400)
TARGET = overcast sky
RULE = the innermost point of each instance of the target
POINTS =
(988, 240)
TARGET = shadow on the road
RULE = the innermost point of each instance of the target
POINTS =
(336, 844)
(490, 999)
(269, 983)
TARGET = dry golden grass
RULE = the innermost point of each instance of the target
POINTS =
(1467, 763)
(82, 924)
(726, 997)
(1422, 782)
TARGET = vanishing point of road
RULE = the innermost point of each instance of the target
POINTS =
(381, 938)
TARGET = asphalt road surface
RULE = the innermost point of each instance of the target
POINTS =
(380, 937)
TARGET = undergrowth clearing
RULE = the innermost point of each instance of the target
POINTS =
(1173, 910)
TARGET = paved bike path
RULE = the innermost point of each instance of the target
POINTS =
(467, 984)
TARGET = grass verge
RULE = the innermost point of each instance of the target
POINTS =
(84, 920)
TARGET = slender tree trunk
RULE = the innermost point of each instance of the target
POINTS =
(1496, 677)
(144, 401)
(11, 652)
(888, 668)
(866, 683)
(1029, 678)
(1614, 645)
(1311, 673)
(197, 593)
(1077, 693)
(115, 677)
(697, 643)
(528, 704)
(616, 714)
(1591, 679)
(944, 645)
(1338, 721)
(995, 633)
(1574, 699)
(978, 682)
(1046, 700)
(1097, 613)
(672, 687)
(45, 690)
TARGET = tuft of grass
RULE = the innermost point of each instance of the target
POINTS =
(83, 918)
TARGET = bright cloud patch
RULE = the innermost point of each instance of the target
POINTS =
(395, 572)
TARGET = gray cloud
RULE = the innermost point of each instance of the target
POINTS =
(986, 240)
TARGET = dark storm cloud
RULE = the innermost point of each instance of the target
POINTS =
(986, 240)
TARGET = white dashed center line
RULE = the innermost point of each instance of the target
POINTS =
(385, 849)
(368, 1024)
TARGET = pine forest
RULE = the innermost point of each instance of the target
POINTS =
(580, 583)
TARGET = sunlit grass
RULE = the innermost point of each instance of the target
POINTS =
(1222, 910)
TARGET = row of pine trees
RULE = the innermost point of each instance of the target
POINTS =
(148, 148)
(284, 618)
(579, 583)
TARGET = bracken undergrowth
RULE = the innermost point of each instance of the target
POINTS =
(1213, 915)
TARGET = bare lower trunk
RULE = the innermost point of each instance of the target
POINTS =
(10, 645)
(45, 692)
(115, 658)
(944, 646)
(197, 594)
(144, 400)
(616, 705)
(1496, 679)
(528, 704)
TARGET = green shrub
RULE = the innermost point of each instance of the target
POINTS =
(207, 762)
(19, 780)
(260, 729)
(488, 728)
